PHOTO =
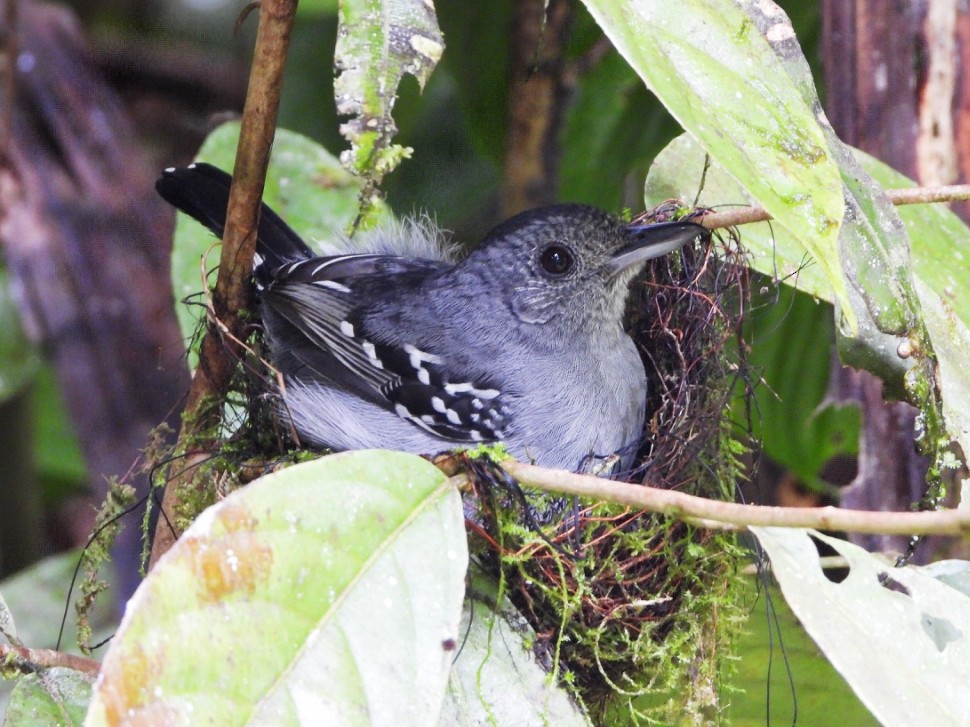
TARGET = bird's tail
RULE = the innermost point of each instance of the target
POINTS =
(202, 191)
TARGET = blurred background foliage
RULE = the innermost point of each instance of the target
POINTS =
(181, 66)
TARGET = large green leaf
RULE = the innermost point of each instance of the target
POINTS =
(779, 673)
(327, 593)
(790, 339)
(900, 637)
(56, 697)
(873, 247)
(378, 42)
(724, 83)
(306, 186)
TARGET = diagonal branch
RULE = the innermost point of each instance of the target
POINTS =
(232, 294)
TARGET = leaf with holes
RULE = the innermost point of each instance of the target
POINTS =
(326, 593)
(900, 638)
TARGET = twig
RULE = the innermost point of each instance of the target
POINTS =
(29, 661)
(730, 515)
(913, 195)
(203, 410)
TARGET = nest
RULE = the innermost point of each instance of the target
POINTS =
(625, 603)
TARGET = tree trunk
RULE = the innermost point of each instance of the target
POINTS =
(896, 89)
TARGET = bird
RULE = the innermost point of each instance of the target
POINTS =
(391, 343)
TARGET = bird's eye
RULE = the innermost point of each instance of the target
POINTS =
(557, 259)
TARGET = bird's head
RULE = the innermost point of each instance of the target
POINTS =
(571, 265)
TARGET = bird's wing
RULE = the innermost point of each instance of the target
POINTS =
(327, 337)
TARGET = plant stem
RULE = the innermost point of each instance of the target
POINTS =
(29, 661)
(733, 516)
(231, 297)
(913, 195)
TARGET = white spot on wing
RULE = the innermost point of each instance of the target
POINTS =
(469, 388)
(347, 328)
(417, 356)
(372, 354)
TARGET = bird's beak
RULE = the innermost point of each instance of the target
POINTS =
(655, 240)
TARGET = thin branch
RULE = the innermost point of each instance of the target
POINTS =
(913, 195)
(232, 293)
(28, 661)
(729, 515)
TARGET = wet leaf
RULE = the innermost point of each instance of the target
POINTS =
(321, 594)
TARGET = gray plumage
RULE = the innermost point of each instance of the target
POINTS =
(397, 347)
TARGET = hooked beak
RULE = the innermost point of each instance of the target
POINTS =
(655, 240)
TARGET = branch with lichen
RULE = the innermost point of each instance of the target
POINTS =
(27, 661)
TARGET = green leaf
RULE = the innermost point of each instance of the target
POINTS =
(38, 596)
(614, 126)
(723, 82)
(19, 358)
(873, 247)
(305, 185)
(769, 248)
(326, 593)
(379, 41)
(941, 271)
(773, 649)
(481, 68)
(496, 678)
(790, 354)
(899, 637)
(56, 697)
(317, 7)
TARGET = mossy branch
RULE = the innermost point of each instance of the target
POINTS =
(914, 195)
(231, 297)
(733, 516)
(27, 661)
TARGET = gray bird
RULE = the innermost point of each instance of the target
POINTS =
(397, 347)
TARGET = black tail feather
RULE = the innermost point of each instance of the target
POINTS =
(202, 191)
